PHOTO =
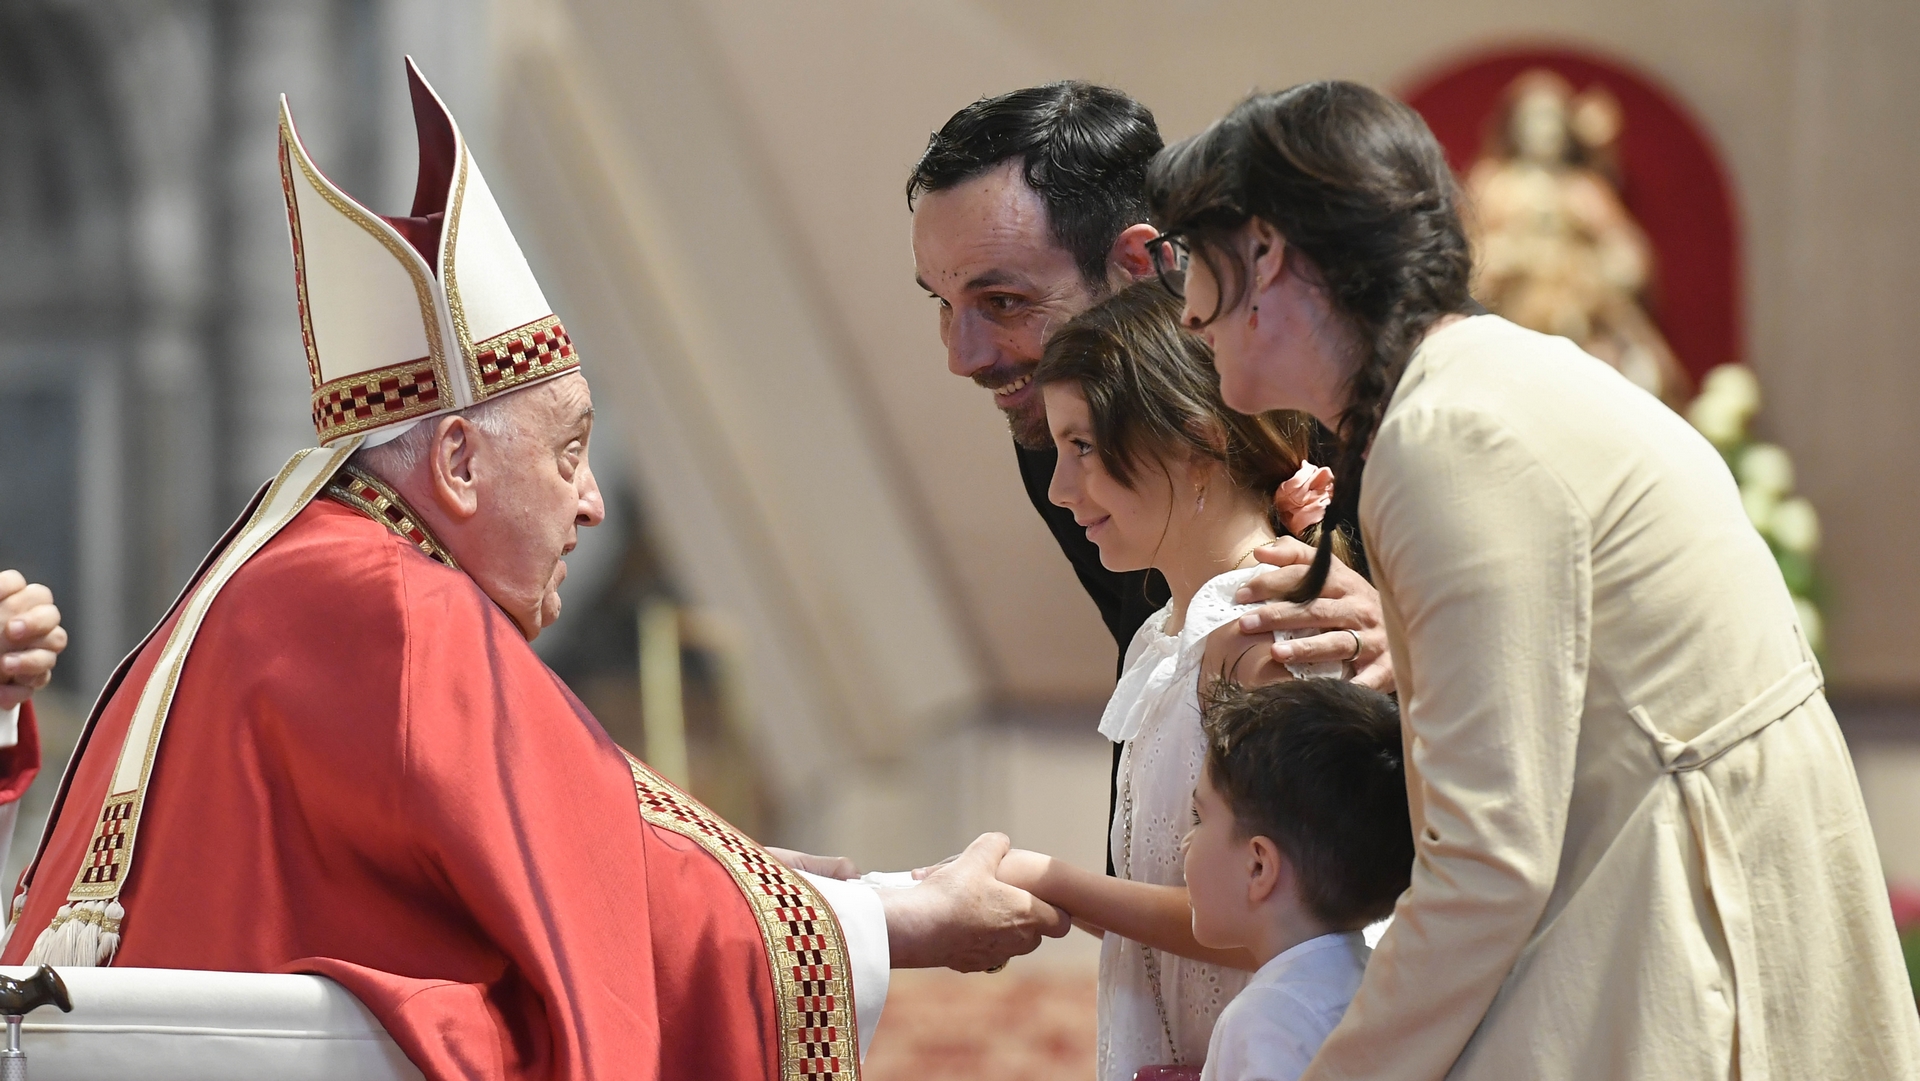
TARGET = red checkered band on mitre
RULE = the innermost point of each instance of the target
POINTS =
(405, 317)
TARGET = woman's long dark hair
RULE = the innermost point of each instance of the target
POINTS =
(1359, 187)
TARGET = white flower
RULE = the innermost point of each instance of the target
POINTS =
(1760, 504)
(1796, 526)
(1765, 467)
(1729, 397)
(1734, 385)
(1716, 419)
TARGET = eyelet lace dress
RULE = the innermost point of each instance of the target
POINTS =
(1155, 1007)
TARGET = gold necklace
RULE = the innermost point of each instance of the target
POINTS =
(1250, 551)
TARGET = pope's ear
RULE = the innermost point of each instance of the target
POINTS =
(450, 459)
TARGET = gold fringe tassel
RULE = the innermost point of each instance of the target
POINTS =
(84, 934)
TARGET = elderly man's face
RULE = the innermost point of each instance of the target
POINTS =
(517, 500)
(985, 252)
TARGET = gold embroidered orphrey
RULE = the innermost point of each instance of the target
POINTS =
(423, 290)
(806, 948)
(371, 496)
(86, 931)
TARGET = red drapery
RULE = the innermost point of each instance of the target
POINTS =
(1672, 182)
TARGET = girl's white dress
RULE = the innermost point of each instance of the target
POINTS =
(1155, 1007)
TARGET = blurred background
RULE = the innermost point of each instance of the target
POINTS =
(821, 595)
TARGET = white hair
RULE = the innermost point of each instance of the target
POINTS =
(403, 454)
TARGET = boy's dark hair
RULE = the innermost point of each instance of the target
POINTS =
(1316, 765)
(1083, 149)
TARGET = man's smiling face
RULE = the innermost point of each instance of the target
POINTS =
(985, 251)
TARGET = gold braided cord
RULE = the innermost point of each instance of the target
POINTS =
(371, 496)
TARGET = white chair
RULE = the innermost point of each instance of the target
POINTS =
(161, 1024)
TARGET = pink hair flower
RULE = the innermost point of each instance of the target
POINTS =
(1303, 498)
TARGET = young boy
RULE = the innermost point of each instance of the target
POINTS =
(1301, 838)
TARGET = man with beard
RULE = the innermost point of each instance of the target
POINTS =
(1028, 208)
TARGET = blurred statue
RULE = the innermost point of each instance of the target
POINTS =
(1557, 250)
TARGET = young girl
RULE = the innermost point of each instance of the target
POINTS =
(1161, 474)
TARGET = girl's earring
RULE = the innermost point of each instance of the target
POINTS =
(1200, 501)
(1253, 320)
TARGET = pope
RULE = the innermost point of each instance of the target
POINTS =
(337, 754)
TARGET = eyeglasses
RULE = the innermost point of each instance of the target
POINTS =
(1170, 257)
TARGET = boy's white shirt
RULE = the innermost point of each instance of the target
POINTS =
(1273, 1027)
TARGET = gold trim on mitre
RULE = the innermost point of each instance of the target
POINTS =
(427, 297)
(524, 355)
(507, 333)
(375, 399)
(465, 276)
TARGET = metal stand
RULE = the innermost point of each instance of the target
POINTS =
(19, 998)
(13, 1061)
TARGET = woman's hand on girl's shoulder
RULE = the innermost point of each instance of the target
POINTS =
(1246, 659)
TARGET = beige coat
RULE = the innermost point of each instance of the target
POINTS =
(1641, 849)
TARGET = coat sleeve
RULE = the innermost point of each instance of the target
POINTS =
(1484, 561)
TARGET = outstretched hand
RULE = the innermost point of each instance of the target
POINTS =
(1347, 603)
(31, 638)
(961, 916)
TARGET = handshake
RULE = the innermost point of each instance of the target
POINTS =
(960, 915)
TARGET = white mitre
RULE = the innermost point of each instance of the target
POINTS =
(407, 317)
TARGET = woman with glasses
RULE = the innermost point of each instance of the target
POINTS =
(1640, 848)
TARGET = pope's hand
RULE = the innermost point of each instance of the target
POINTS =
(31, 638)
(1348, 603)
(962, 917)
(825, 866)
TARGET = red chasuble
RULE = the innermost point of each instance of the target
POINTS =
(369, 775)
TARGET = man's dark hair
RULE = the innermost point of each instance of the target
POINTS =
(1316, 766)
(1083, 149)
